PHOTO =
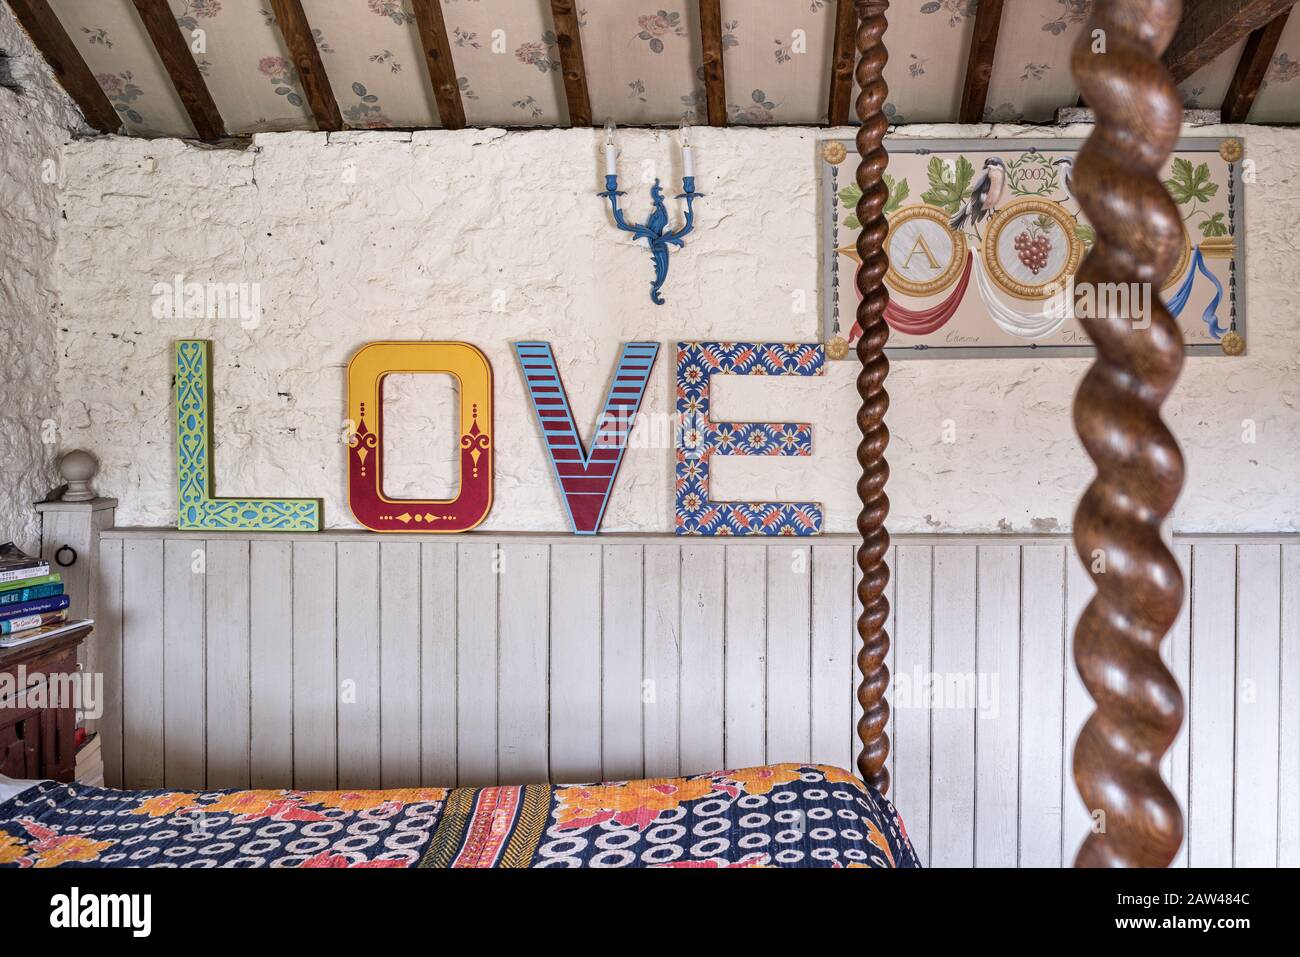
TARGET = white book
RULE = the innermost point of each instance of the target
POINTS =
(22, 574)
(49, 631)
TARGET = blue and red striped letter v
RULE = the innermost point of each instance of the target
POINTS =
(586, 478)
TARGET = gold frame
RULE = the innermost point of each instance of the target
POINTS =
(1013, 210)
(945, 279)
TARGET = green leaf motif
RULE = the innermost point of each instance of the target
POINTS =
(1214, 226)
(849, 196)
(1085, 234)
(898, 191)
(948, 186)
(1187, 183)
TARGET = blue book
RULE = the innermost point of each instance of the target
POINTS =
(37, 607)
(19, 595)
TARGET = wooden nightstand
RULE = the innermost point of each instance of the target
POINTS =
(37, 742)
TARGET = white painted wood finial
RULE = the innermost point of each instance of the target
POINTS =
(78, 467)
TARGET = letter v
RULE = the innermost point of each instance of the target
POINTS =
(586, 478)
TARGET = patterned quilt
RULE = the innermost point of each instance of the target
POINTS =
(784, 815)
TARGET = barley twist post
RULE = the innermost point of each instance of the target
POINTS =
(875, 400)
(1117, 528)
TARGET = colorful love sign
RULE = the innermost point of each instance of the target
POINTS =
(366, 496)
(699, 438)
(197, 507)
(586, 477)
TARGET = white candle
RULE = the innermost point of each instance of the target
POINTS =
(688, 156)
(611, 152)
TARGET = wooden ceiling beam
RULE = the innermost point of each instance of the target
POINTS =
(69, 68)
(437, 56)
(174, 52)
(1210, 27)
(979, 62)
(301, 44)
(1251, 69)
(715, 85)
(568, 37)
(843, 61)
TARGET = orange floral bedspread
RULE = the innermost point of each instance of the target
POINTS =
(784, 815)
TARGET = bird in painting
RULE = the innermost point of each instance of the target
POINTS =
(1066, 166)
(984, 196)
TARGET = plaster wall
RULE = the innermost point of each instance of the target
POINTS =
(36, 119)
(492, 236)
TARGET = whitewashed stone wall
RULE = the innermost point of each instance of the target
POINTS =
(34, 123)
(490, 237)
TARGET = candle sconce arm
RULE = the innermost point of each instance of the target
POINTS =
(655, 231)
(688, 184)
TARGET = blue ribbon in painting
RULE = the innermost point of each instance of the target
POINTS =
(1179, 299)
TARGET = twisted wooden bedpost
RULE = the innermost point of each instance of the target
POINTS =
(875, 400)
(1117, 413)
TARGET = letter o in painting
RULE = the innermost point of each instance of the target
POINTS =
(366, 497)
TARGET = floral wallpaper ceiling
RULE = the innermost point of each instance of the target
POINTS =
(643, 62)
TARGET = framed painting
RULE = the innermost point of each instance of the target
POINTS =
(985, 237)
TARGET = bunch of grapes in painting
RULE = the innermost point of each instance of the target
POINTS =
(1033, 244)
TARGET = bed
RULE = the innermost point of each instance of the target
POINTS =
(793, 815)
(784, 815)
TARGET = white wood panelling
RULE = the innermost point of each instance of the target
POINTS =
(143, 601)
(184, 704)
(399, 664)
(439, 665)
(997, 732)
(952, 775)
(521, 722)
(703, 584)
(744, 693)
(1259, 651)
(227, 648)
(1042, 720)
(360, 661)
(1210, 692)
(913, 624)
(622, 657)
(358, 664)
(576, 666)
(788, 663)
(270, 655)
(1288, 808)
(315, 659)
(661, 665)
(478, 568)
(833, 618)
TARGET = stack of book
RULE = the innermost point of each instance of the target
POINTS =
(32, 602)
